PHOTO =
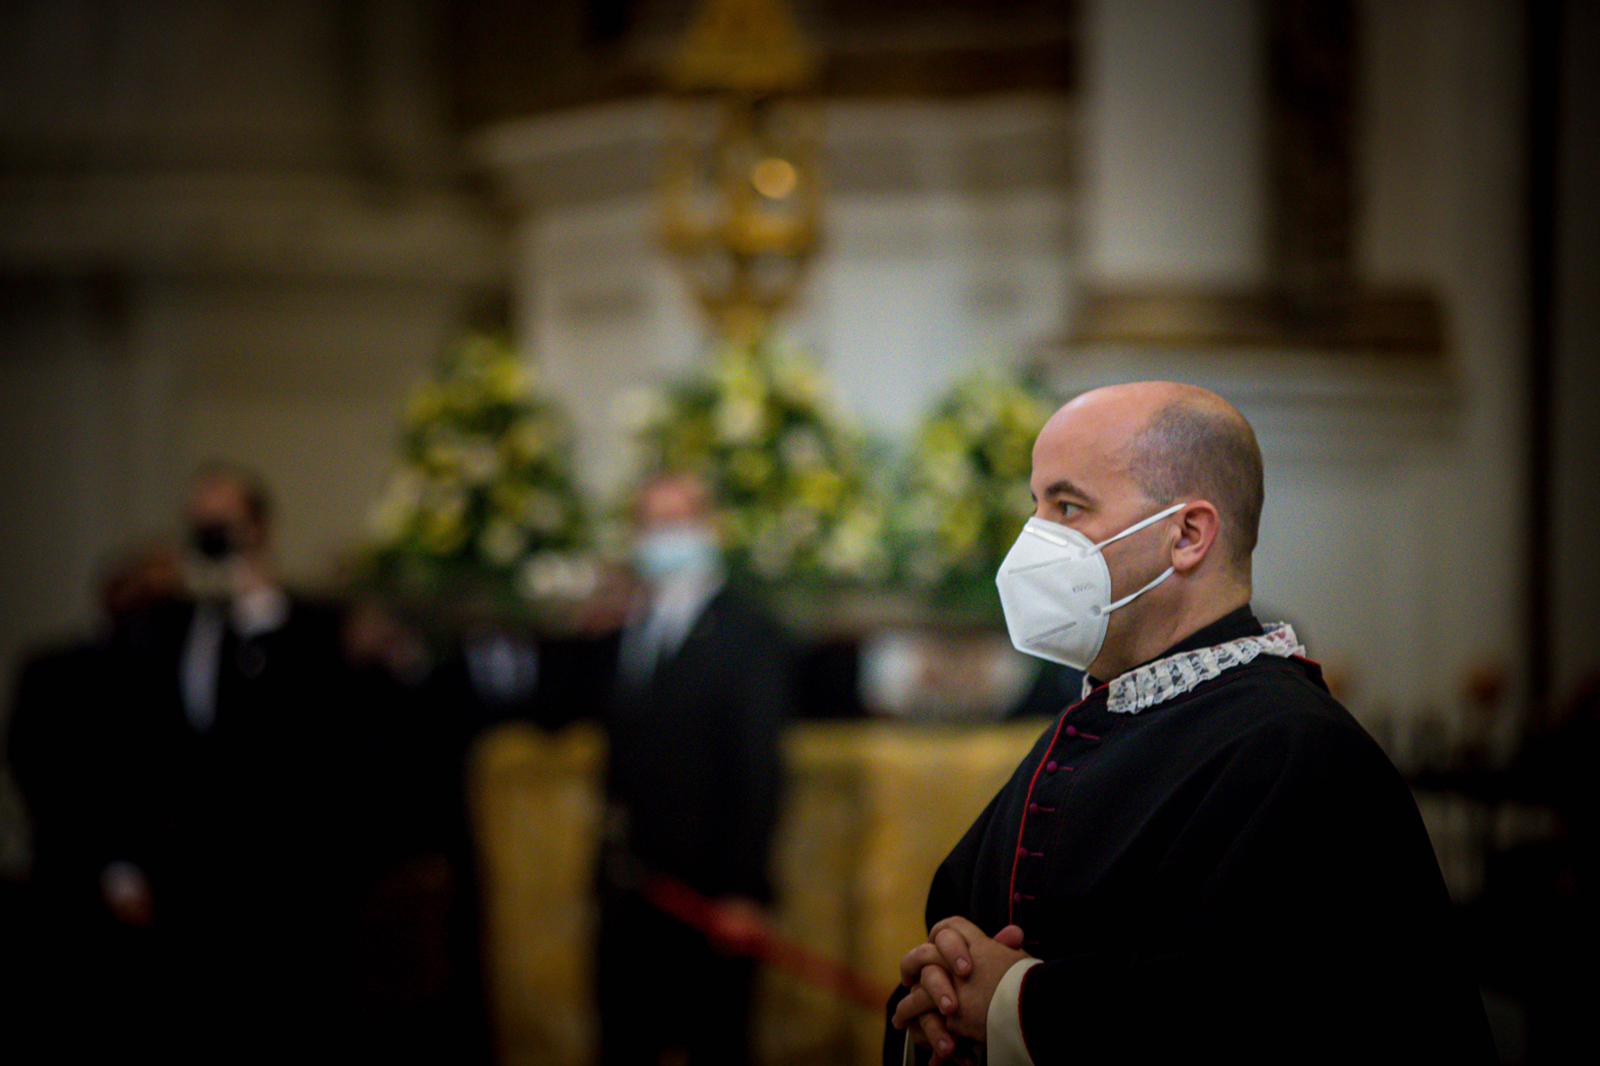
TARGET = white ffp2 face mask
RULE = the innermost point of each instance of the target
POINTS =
(1055, 589)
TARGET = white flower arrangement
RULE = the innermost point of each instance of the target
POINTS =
(963, 492)
(796, 501)
(484, 492)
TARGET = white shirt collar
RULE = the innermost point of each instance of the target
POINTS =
(684, 595)
(261, 610)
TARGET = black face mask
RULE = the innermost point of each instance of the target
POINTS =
(213, 540)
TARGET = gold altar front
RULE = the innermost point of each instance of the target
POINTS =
(871, 809)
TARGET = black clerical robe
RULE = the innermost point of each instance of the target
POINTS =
(1214, 859)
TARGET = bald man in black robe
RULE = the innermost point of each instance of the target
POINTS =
(1205, 856)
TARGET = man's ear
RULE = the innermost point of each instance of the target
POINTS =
(1198, 527)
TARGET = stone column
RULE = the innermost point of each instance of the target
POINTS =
(1174, 130)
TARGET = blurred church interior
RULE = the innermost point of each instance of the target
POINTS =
(291, 235)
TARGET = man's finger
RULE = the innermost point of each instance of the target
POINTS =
(913, 961)
(937, 1036)
(954, 948)
(1010, 936)
(940, 990)
(916, 1002)
(961, 925)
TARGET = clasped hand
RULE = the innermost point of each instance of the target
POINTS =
(952, 977)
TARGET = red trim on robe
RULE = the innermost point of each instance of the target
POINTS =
(1016, 855)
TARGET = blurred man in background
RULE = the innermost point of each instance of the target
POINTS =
(692, 690)
(229, 832)
(59, 746)
(69, 953)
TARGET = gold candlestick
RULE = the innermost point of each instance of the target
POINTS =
(740, 189)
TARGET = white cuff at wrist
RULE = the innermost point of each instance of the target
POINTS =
(1005, 1044)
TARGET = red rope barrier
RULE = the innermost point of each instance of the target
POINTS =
(769, 947)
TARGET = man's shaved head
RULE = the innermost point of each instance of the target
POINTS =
(1198, 445)
(1175, 443)
(1114, 457)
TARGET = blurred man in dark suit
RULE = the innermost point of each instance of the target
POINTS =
(58, 745)
(68, 951)
(693, 691)
(228, 835)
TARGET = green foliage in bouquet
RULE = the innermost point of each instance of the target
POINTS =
(964, 489)
(484, 500)
(796, 503)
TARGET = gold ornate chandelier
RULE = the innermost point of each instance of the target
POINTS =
(740, 197)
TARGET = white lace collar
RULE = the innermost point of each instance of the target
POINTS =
(1159, 681)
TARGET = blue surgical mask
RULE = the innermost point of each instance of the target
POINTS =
(675, 551)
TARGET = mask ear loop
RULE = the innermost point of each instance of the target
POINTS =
(1108, 608)
(1158, 516)
(1152, 520)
